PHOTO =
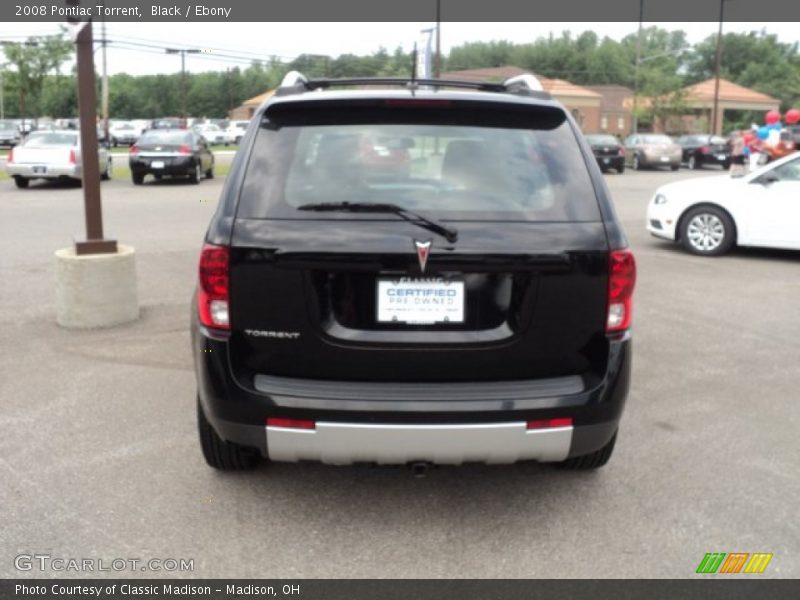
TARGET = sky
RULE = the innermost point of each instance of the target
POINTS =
(288, 40)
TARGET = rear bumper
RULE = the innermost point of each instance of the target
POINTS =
(172, 166)
(52, 172)
(610, 162)
(446, 423)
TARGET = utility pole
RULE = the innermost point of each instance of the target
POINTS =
(104, 99)
(636, 70)
(437, 70)
(87, 110)
(183, 52)
(2, 92)
(717, 61)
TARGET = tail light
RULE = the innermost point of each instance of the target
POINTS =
(291, 423)
(10, 158)
(184, 149)
(549, 423)
(212, 295)
(72, 160)
(705, 149)
(621, 281)
(134, 150)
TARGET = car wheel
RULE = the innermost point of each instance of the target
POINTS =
(594, 460)
(197, 174)
(637, 166)
(220, 454)
(137, 178)
(726, 166)
(210, 172)
(21, 182)
(158, 176)
(692, 162)
(675, 167)
(106, 175)
(707, 231)
(621, 169)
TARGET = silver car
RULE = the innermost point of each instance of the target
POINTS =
(652, 150)
(51, 155)
(9, 133)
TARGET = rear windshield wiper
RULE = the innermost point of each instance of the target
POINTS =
(448, 232)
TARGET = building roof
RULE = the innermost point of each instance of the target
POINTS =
(728, 92)
(612, 96)
(256, 101)
(556, 87)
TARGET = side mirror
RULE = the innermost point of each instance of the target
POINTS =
(768, 178)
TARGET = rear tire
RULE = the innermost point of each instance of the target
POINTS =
(21, 182)
(594, 460)
(197, 174)
(106, 175)
(137, 178)
(220, 454)
(692, 162)
(621, 169)
(210, 173)
(636, 164)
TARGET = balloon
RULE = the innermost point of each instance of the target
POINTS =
(763, 133)
(749, 138)
(772, 116)
(777, 125)
(792, 116)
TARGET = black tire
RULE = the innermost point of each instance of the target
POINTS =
(21, 182)
(106, 175)
(220, 454)
(137, 178)
(693, 163)
(594, 460)
(158, 176)
(621, 169)
(675, 167)
(726, 166)
(707, 231)
(210, 172)
(636, 164)
(196, 174)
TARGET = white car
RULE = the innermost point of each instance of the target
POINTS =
(51, 155)
(236, 130)
(212, 133)
(712, 214)
(123, 132)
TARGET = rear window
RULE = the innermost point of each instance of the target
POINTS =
(602, 139)
(165, 138)
(38, 140)
(459, 170)
(656, 139)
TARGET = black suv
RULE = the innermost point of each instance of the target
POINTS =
(427, 273)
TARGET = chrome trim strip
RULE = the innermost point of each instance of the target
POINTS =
(347, 443)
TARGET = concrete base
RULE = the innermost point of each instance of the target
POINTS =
(96, 290)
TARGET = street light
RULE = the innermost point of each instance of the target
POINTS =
(183, 52)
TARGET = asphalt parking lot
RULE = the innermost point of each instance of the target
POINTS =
(99, 456)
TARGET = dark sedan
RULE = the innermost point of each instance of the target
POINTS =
(171, 153)
(608, 151)
(700, 150)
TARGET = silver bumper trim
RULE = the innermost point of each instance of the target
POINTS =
(347, 443)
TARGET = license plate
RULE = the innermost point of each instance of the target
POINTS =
(40, 169)
(606, 160)
(157, 164)
(664, 158)
(420, 301)
(720, 157)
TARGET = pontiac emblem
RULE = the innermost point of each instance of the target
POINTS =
(423, 251)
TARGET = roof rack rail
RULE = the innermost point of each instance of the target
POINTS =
(296, 83)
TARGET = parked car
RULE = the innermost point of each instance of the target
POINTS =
(171, 153)
(169, 123)
(236, 130)
(9, 133)
(608, 151)
(652, 150)
(699, 150)
(123, 132)
(52, 155)
(213, 134)
(711, 215)
(471, 308)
